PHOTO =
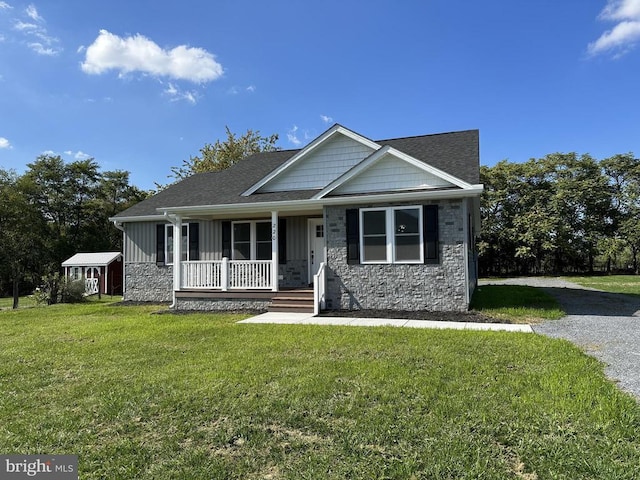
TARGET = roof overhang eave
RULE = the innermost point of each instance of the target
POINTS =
(305, 205)
(140, 218)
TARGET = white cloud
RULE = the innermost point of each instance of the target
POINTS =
(42, 50)
(292, 137)
(5, 144)
(32, 12)
(621, 10)
(24, 26)
(36, 36)
(326, 119)
(5, 6)
(623, 36)
(79, 155)
(139, 54)
(251, 88)
(176, 94)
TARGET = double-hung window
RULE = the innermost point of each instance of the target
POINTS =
(251, 240)
(391, 235)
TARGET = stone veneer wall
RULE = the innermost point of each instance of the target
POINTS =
(222, 304)
(439, 287)
(147, 282)
(294, 274)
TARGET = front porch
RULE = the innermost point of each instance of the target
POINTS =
(236, 261)
(245, 284)
(293, 300)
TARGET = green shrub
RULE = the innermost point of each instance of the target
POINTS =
(72, 291)
(58, 289)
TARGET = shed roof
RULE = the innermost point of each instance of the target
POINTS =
(97, 259)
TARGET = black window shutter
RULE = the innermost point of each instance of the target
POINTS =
(282, 241)
(353, 236)
(430, 226)
(194, 241)
(160, 240)
(226, 239)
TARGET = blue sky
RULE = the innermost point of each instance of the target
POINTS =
(142, 85)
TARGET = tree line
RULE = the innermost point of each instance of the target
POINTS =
(564, 213)
(54, 210)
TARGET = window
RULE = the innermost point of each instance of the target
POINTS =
(392, 235)
(189, 238)
(251, 241)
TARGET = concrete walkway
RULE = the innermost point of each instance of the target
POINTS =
(309, 319)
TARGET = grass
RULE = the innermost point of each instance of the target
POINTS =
(519, 304)
(628, 284)
(144, 396)
(27, 301)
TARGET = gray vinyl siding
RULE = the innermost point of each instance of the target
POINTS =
(296, 238)
(140, 242)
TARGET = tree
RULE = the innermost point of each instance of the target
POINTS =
(623, 172)
(22, 231)
(54, 210)
(222, 155)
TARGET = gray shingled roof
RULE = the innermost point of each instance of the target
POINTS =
(456, 153)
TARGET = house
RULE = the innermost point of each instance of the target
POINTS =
(102, 271)
(365, 224)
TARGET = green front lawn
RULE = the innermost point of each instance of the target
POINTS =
(629, 284)
(197, 396)
(515, 303)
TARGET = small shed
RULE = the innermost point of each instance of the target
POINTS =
(102, 271)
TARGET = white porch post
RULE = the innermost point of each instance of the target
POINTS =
(274, 251)
(177, 252)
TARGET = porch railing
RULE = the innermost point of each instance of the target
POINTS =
(227, 274)
(319, 286)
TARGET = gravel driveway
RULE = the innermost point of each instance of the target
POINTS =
(605, 325)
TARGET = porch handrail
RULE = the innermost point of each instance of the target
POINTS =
(319, 287)
(226, 274)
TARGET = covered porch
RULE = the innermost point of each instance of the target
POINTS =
(243, 271)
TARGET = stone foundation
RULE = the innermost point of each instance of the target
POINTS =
(222, 304)
(147, 282)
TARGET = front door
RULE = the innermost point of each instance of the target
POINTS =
(316, 245)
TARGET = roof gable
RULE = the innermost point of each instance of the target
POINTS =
(389, 170)
(319, 163)
(452, 157)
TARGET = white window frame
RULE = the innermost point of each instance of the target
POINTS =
(168, 243)
(253, 241)
(390, 235)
